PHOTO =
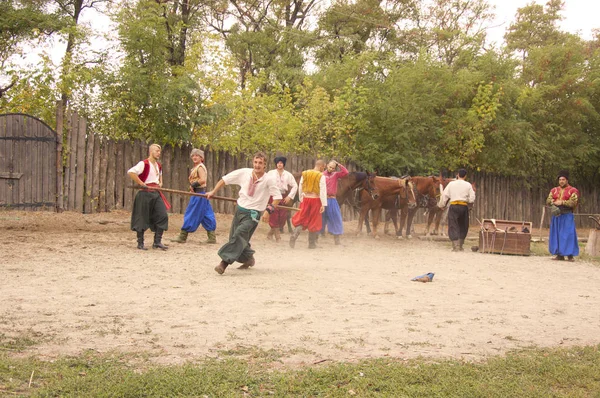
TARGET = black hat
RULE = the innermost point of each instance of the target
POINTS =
(282, 159)
(563, 173)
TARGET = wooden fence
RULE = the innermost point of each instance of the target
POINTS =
(95, 180)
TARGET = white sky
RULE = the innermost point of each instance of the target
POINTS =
(580, 17)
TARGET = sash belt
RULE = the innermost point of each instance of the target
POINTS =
(167, 204)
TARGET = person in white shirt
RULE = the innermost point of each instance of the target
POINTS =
(288, 187)
(149, 206)
(461, 196)
(256, 187)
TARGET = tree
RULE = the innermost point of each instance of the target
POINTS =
(22, 22)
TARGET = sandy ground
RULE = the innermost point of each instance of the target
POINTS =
(75, 282)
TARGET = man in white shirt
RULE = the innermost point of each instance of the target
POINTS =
(461, 195)
(149, 206)
(255, 190)
(288, 187)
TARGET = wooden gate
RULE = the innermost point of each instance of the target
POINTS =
(27, 163)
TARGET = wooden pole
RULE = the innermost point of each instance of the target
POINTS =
(542, 221)
(203, 195)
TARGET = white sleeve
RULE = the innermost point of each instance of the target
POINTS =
(445, 196)
(137, 169)
(323, 191)
(235, 177)
(300, 193)
(292, 182)
(471, 194)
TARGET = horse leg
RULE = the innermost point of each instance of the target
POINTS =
(411, 216)
(438, 219)
(388, 218)
(403, 214)
(376, 218)
(394, 216)
(361, 219)
(430, 216)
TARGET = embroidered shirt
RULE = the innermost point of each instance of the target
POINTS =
(285, 182)
(262, 189)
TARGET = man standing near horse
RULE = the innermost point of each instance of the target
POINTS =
(287, 186)
(149, 206)
(563, 235)
(199, 211)
(255, 190)
(461, 195)
(332, 216)
(313, 200)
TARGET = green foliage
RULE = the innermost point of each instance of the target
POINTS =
(401, 88)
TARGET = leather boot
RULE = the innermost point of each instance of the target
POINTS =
(277, 235)
(336, 239)
(221, 267)
(460, 245)
(312, 240)
(271, 233)
(455, 246)
(140, 240)
(212, 237)
(294, 236)
(158, 240)
(182, 238)
(248, 263)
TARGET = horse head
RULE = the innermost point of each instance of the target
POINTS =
(410, 193)
(370, 187)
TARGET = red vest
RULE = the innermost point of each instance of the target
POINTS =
(146, 171)
(567, 193)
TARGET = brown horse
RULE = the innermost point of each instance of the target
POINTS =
(390, 190)
(350, 189)
(428, 191)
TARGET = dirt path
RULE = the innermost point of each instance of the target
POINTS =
(76, 282)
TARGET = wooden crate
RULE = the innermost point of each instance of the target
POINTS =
(505, 237)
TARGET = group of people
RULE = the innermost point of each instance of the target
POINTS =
(262, 191)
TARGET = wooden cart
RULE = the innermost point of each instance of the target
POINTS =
(505, 237)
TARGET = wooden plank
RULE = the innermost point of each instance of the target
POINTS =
(102, 176)
(34, 161)
(59, 163)
(80, 175)
(89, 173)
(110, 176)
(25, 148)
(175, 202)
(167, 169)
(72, 161)
(120, 174)
(5, 188)
(128, 163)
(96, 174)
